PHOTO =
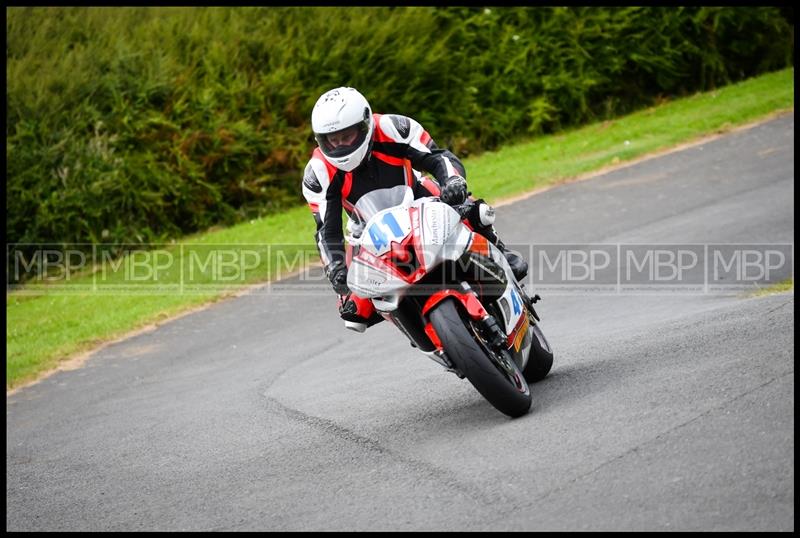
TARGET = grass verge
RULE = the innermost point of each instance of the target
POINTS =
(45, 325)
(780, 287)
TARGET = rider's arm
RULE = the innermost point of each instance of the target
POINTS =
(324, 199)
(405, 137)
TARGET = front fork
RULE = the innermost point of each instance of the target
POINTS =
(475, 310)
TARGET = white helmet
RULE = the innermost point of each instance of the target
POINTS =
(342, 124)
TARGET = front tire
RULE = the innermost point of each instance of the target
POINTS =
(503, 386)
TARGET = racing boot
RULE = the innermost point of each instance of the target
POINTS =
(358, 313)
(518, 264)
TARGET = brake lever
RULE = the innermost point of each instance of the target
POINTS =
(463, 209)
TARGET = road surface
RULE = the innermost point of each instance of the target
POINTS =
(663, 411)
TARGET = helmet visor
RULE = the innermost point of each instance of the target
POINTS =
(344, 142)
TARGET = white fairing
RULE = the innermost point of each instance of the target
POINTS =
(388, 226)
(510, 302)
(443, 235)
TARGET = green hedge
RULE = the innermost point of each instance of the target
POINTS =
(142, 124)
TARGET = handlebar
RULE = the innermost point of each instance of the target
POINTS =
(463, 209)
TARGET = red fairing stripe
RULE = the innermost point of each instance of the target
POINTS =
(373, 261)
(479, 244)
(314, 207)
(469, 300)
(431, 332)
(348, 256)
(386, 264)
(416, 231)
(516, 335)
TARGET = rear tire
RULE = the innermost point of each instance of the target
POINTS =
(540, 356)
(506, 389)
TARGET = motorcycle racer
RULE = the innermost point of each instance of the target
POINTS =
(359, 151)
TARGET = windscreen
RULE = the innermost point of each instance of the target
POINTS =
(375, 201)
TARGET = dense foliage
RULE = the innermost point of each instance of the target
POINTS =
(140, 124)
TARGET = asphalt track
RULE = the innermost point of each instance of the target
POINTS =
(663, 411)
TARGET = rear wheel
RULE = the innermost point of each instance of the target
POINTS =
(494, 374)
(540, 356)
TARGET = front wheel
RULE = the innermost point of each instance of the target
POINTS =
(495, 375)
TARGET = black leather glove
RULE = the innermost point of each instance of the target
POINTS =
(454, 191)
(337, 274)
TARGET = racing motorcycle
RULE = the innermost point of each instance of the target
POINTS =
(450, 291)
